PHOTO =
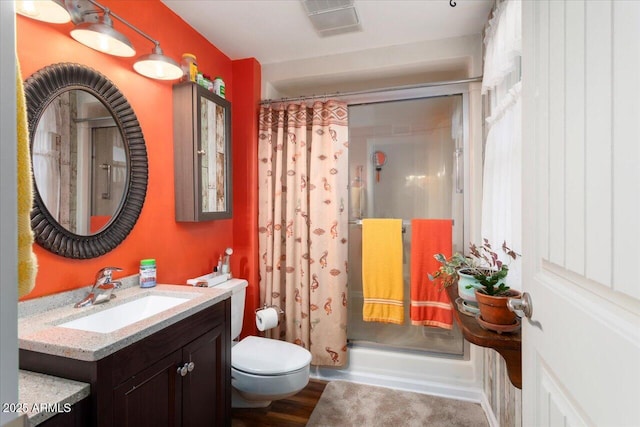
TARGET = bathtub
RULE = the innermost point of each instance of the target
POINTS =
(453, 377)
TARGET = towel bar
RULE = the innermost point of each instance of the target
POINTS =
(404, 223)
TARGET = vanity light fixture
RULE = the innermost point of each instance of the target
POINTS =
(157, 65)
(94, 29)
(102, 37)
(52, 11)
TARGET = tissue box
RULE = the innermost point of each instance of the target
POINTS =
(211, 279)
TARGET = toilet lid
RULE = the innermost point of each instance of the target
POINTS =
(265, 356)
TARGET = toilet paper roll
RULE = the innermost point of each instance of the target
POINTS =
(266, 318)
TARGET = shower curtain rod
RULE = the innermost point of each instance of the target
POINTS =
(365, 92)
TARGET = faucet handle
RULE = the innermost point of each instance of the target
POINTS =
(104, 275)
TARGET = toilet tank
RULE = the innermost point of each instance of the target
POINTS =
(238, 289)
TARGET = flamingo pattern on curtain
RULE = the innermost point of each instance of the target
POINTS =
(303, 224)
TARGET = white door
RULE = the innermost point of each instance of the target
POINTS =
(581, 195)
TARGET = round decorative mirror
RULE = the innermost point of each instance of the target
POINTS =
(89, 161)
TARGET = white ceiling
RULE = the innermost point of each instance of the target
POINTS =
(275, 31)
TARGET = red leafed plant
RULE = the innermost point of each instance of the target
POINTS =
(482, 263)
(489, 270)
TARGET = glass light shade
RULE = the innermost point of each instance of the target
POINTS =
(158, 66)
(50, 11)
(104, 38)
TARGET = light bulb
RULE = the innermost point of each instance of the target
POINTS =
(103, 43)
(28, 8)
(43, 10)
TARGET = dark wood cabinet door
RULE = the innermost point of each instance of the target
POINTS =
(204, 400)
(151, 398)
(202, 154)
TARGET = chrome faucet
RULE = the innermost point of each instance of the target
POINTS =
(102, 288)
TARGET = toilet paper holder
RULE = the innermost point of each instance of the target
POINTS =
(278, 309)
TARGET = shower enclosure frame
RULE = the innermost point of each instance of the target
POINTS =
(431, 91)
(413, 93)
(411, 370)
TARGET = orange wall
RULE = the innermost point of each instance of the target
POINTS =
(182, 250)
(245, 225)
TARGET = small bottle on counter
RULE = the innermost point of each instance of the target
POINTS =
(218, 268)
(147, 273)
(189, 67)
(218, 86)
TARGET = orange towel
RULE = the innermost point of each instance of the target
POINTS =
(429, 305)
(382, 281)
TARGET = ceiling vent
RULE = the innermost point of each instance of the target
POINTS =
(332, 17)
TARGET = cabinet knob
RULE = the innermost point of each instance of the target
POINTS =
(186, 368)
(202, 152)
(182, 370)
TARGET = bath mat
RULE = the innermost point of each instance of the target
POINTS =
(349, 404)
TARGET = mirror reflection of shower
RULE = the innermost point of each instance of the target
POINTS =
(79, 162)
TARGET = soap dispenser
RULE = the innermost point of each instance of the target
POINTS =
(218, 268)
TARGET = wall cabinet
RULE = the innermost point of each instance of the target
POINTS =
(178, 376)
(202, 154)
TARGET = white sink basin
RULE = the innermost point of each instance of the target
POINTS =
(124, 314)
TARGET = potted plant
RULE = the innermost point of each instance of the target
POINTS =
(480, 274)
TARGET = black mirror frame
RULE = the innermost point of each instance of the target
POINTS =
(40, 89)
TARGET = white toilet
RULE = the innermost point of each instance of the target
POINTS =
(262, 369)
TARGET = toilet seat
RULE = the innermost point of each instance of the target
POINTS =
(266, 356)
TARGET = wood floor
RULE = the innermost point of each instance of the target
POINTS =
(291, 412)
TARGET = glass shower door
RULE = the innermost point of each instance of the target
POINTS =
(404, 162)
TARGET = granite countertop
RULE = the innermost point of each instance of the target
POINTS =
(43, 396)
(38, 319)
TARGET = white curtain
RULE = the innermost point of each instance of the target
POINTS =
(46, 159)
(503, 44)
(502, 193)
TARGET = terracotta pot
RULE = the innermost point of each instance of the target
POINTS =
(494, 309)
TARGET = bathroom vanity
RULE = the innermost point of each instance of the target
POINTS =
(172, 368)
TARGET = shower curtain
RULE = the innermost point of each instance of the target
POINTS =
(302, 219)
